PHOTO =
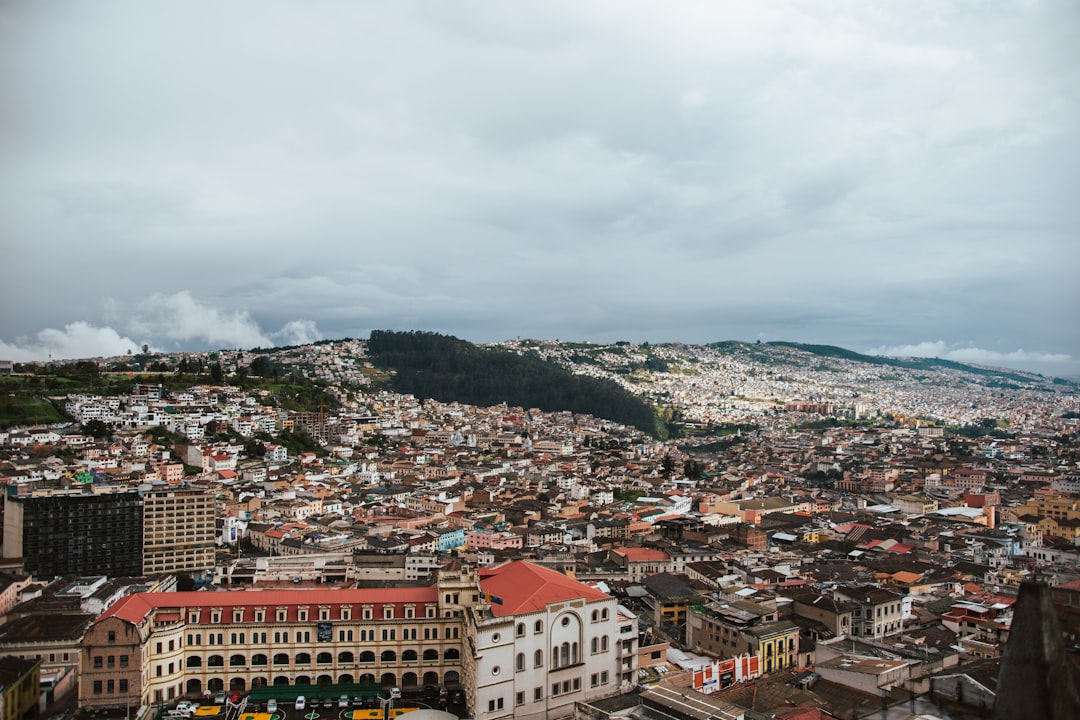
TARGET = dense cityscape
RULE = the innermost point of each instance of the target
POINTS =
(819, 533)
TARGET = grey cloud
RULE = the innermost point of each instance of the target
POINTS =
(869, 176)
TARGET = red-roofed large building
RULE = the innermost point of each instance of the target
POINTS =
(545, 642)
(150, 648)
(519, 640)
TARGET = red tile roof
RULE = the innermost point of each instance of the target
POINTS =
(136, 608)
(525, 588)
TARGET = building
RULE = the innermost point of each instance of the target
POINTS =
(875, 612)
(544, 642)
(727, 629)
(520, 640)
(19, 680)
(153, 647)
(86, 531)
(178, 531)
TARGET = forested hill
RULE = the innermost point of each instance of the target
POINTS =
(444, 368)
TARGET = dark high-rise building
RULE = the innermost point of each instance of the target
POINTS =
(96, 531)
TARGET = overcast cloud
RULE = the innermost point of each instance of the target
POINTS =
(890, 177)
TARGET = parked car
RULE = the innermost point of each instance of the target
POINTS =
(343, 701)
(358, 701)
(301, 702)
(395, 693)
(234, 697)
(328, 701)
(271, 705)
(219, 697)
(187, 707)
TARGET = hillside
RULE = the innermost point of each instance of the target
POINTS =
(445, 368)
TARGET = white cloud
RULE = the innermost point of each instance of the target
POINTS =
(77, 340)
(298, 332)
(180, 317)
(1036, 361)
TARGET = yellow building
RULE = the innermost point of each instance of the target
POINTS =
(19, 687)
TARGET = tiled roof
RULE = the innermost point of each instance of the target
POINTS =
(525, 588)
(135, 608)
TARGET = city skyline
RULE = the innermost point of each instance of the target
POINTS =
(892, 180)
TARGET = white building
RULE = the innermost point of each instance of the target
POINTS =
(545, 642)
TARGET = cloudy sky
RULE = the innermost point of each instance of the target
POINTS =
(893, 177)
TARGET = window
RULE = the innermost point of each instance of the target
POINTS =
(520, 630)
(565, 621)
(410, 612)
(520, 663)
(367, 613)
(519, 699)
(604, 643)
(97, 687)
(604, 614)
(388, 612)
(238, 616)
(538, 694)
(112, 636)
(123, 685)
(595, 615)
(538, 658)
(495, 637)
(324, 614)
(302, 615)
(495, 670)
(97, 663)
(123, 661)
(594, 646)
(538, 626)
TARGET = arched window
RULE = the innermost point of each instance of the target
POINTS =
(367, 656)
(573, 654)
(520, 663)
(388, 656)
(604, 614)
(538, 626)
(538, 658)
(520, 632)
(595, 615)
(388, 679)
(194, 661)
(345, 657)
(258, 659)
(452, 654)
(564, 654)
(603, 644)
(408, 679)
(431, 655)
(555, 656)
(303, 658)
(408, 656)
(215, 661)
(594, 646)
(280, 659)
(324, 657)
(235, 660)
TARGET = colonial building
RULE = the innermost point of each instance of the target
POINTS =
(522, 640)
(733, 628)
(544, 642)
(152, 647)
